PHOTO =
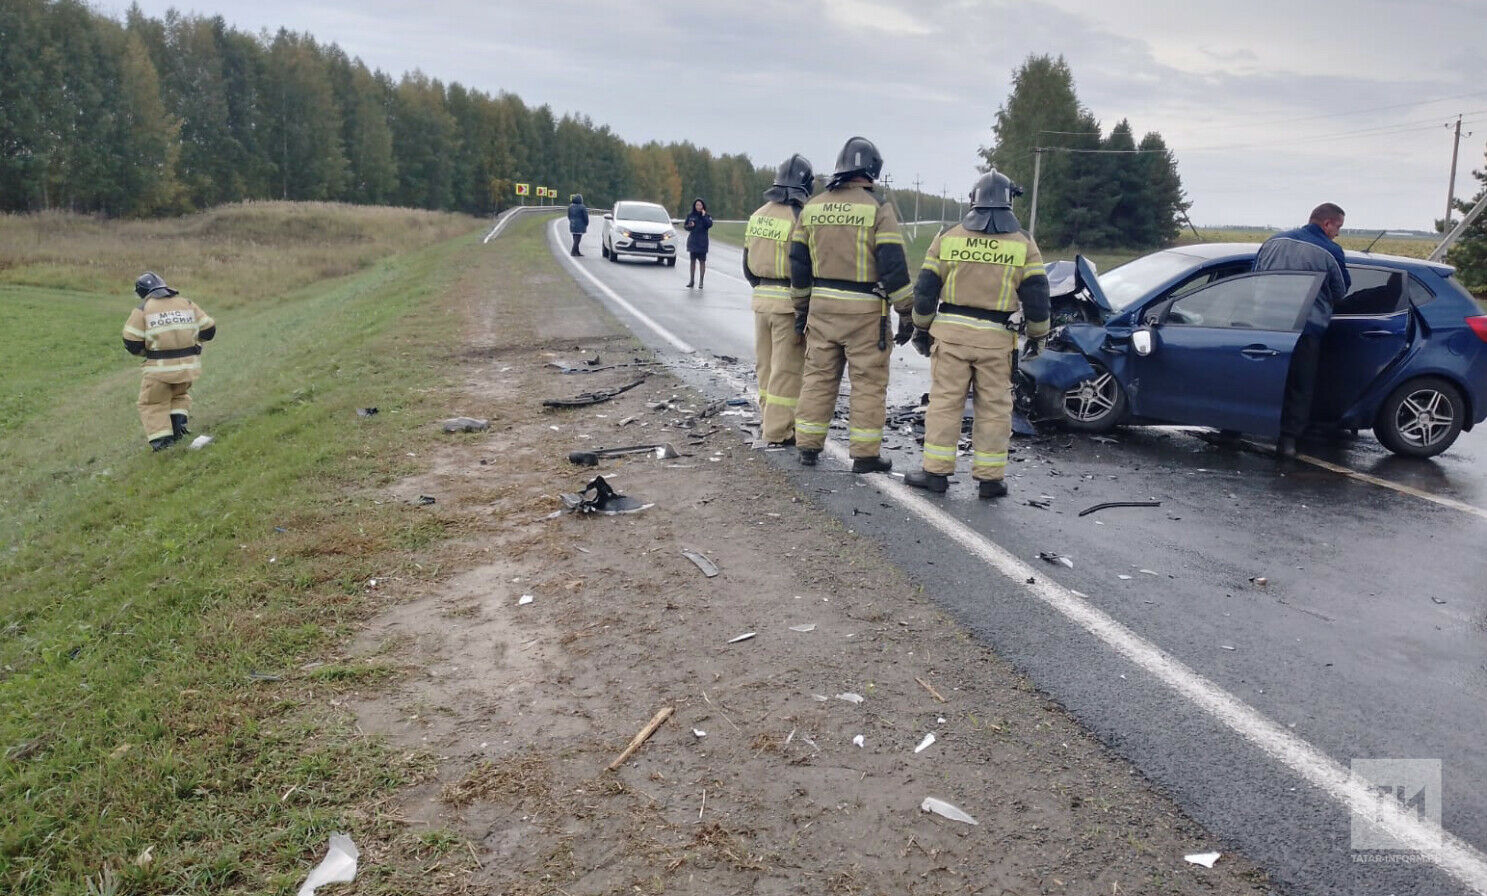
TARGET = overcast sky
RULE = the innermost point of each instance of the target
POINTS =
(1271, 106)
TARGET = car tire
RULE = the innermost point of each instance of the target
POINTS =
(1421, 418)
(603, 249)
(1095, 405)
(671, 262)
(614, 256)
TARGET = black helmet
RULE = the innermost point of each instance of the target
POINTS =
(994, 190)
(794, 181)
(149, 283)
(858, 158)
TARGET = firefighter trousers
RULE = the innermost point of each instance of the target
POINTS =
(157, 401)
(835, 341)
(954, 369)
(780, 354)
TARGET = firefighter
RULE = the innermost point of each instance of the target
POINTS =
(847, 265)
(979, 273)
(779, 351)
(167, 329)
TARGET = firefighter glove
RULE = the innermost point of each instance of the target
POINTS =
(1034, 346)
(905, 330)
(800, 318)
(922, 341)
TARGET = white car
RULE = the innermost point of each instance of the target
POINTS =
(638, 228)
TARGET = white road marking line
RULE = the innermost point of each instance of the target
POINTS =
(1437, 846)
(615, 297)
(1395, 486)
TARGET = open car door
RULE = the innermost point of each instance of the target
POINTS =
(1371, 329)
(1220, 354)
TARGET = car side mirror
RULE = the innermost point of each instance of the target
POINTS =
(608, 216)
(1144, 341)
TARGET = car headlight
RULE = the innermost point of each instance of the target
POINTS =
(670, 234)
(625, 232)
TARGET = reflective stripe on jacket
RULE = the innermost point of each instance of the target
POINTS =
(168, 331)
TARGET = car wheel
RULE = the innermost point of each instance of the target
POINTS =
(1421, 418)
(1095, 405)
(614, 256)
(603, 249)
(671, 262)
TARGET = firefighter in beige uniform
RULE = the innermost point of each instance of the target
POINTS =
(779, 351)
(979, 273)
(168, 330)
(846, 265)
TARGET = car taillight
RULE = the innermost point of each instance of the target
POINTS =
(1479, 326)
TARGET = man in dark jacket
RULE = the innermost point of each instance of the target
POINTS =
(1309, 248)
(578, 221)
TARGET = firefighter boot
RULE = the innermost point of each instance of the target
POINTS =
(178, 426)
(992, 488)
(809, 456)
(871, 464)
(930, 482)
(162, 443)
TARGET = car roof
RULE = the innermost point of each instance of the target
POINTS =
(1221, 251)
(620, 202)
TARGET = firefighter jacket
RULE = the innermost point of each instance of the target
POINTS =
(168, 331)
(767, 256)
(845, 243)
(972, 283)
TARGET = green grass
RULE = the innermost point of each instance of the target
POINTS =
(146, 595)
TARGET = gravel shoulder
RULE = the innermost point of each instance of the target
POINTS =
(769, 776)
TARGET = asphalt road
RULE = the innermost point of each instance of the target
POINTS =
(1242, 644)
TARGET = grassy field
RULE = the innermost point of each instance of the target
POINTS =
(169, 622)
(1105, 259)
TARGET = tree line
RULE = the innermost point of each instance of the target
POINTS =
(152, 117)
(1093, 190)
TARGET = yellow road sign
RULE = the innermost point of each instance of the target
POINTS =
(524, 189)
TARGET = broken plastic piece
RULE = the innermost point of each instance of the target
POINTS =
(1051, 557)
(698, 733)
(338, 866)
(850, 697)
(588, 398)
(466, 424)
(1206, 859)
(200, 442)
(858, 741)
(702, 563)
(524, 600)
(366, 412)
(663, 450)
(425, 500)
(1109, 504)
(605, 500)
(925, 744)
(944, 809)
(803, 628)
(743, 637)
(1259, 580)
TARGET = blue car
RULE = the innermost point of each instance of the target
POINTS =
(1192, 336)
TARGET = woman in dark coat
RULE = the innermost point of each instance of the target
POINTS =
(578, 221)
(697, 225)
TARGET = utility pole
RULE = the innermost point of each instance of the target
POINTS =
(917, 185)
(944, 192)
(1032, 224)
(1451, 185)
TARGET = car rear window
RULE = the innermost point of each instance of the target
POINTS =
(1375, 292)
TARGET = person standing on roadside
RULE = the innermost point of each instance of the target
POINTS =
(779, 351)
(166, 329)
(1310, 248)
(976, 275)
(578, 222)
(847, 265)
(698, 223)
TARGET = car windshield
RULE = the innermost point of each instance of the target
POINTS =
(634, 211)
(1136, 280)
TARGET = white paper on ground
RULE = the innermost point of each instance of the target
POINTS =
(338, 866)
(200, 442)
(924, 744)
(1206, 859)
(850, 697)
(942, 808)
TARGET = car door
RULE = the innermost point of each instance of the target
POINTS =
(1370, 330)
(1221, 353)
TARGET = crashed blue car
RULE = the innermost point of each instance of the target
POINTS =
(1192, 336)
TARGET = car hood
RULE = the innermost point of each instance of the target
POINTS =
(1084, 276)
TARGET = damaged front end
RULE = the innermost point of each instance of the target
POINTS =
(1039, 383)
